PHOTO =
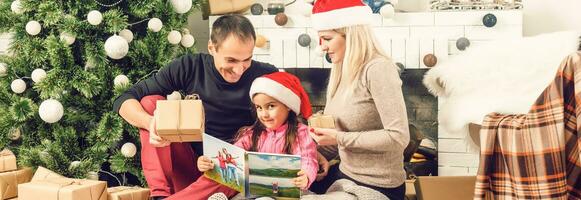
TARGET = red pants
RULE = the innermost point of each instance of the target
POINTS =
(172, 169)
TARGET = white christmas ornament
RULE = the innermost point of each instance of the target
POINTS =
(94, 17)
(116, 47)
(127, 35)
(16, 7)
(67, 38)
(33, 27)
(51, 110)
(18, 86)
(3, 69)
(174, 37)
(154, 24)
(74, 164)
(120, 80)
(188, 40)
(387, 11)
(175, 95)
(181, 6)
(128, 150)
(38, 75)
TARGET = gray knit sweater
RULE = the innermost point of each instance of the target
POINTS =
(373, 120)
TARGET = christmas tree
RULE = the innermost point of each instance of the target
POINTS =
(68, 60)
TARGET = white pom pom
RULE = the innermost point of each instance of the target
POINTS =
(154, 24)
(181, 6)
(3, 69)
(174, 37)
(51, 110)
(74, 164)
(94, 17)
(175, 95)
(128, 150)
(16, 7)
(120, 80)
(33, 27)
(116, 47)
(67, 38)
(18, 86)
(188, 41)
(127, 34)
(387, 11)
(38, 75)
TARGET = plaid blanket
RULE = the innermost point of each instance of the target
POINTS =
(536, 155)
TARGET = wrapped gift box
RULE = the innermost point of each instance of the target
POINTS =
(180, 120)
(9, 182)
(322, 121)
(7, 161)
(128, 193)
(63, 189)
(44, 173)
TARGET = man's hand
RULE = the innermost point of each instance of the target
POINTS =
(205, 164)
(154, 139)
(302, 181)
(323, 167)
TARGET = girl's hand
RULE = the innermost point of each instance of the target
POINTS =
(302, 181)
(324, 136)
(205, 164)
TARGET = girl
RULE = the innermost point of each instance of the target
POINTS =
(278, 99)
(364, 96)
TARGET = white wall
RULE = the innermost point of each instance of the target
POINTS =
(542, 16)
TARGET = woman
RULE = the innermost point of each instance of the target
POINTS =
(364, 96)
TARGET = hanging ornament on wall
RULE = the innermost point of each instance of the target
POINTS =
(260, 41)
(16, 7)
(14, 134)
(128, 150)
(387, 11)
(154, 24)
(120, 80)
(38, 74)
(328, 58)
(256, 9)
(188, 41)
(275, 7)
(430, 60)
(3, 69)
(175, 95)
(51, 111)
(174, 37)
(67, 38)
(94, 17)
(462, 43)
(304, 40)
(33, 27)
(116, 47)
(489, 20)
(281, 19)
(127, 35)
(18, 86)
(181, 6)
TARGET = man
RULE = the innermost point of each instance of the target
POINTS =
(221, 78)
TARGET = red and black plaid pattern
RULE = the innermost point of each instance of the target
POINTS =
(536, 155)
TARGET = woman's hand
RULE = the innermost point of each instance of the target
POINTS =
(302, 181)
(205, 164)
(324, 136)
(323, 167)
(154, 139)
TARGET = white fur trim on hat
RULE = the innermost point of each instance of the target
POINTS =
(339, 18)
(278, 91)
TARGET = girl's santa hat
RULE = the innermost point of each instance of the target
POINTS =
(285, 88)
(333, 14)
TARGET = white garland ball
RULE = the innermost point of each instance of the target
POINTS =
(94, 17)
(74, 164)
(38, 74)
(174, 37)
(175, 95)
(188, 40)
(127, 35)
(120, 80)
(18, 86)
(387, 11)
(16, 7)
(154, 24)
(128, 150)
(116, 47)
(51, 110)
(3, 69)
(67, 38)
(181, 6)
(33, 27)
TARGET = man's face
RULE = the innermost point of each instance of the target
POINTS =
(232, 58)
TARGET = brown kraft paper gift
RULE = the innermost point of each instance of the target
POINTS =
(180, 120)
(63, 189)
(7, 161)
(10, 180)
(128, 193)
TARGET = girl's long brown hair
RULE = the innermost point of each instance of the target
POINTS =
(257, 128)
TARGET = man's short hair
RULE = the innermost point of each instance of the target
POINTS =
(235, 25)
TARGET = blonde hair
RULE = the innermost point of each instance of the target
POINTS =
(361, 46)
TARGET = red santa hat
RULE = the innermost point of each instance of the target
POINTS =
(333, 14)
(285, 88)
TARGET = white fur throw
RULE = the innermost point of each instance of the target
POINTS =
(501, 76)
